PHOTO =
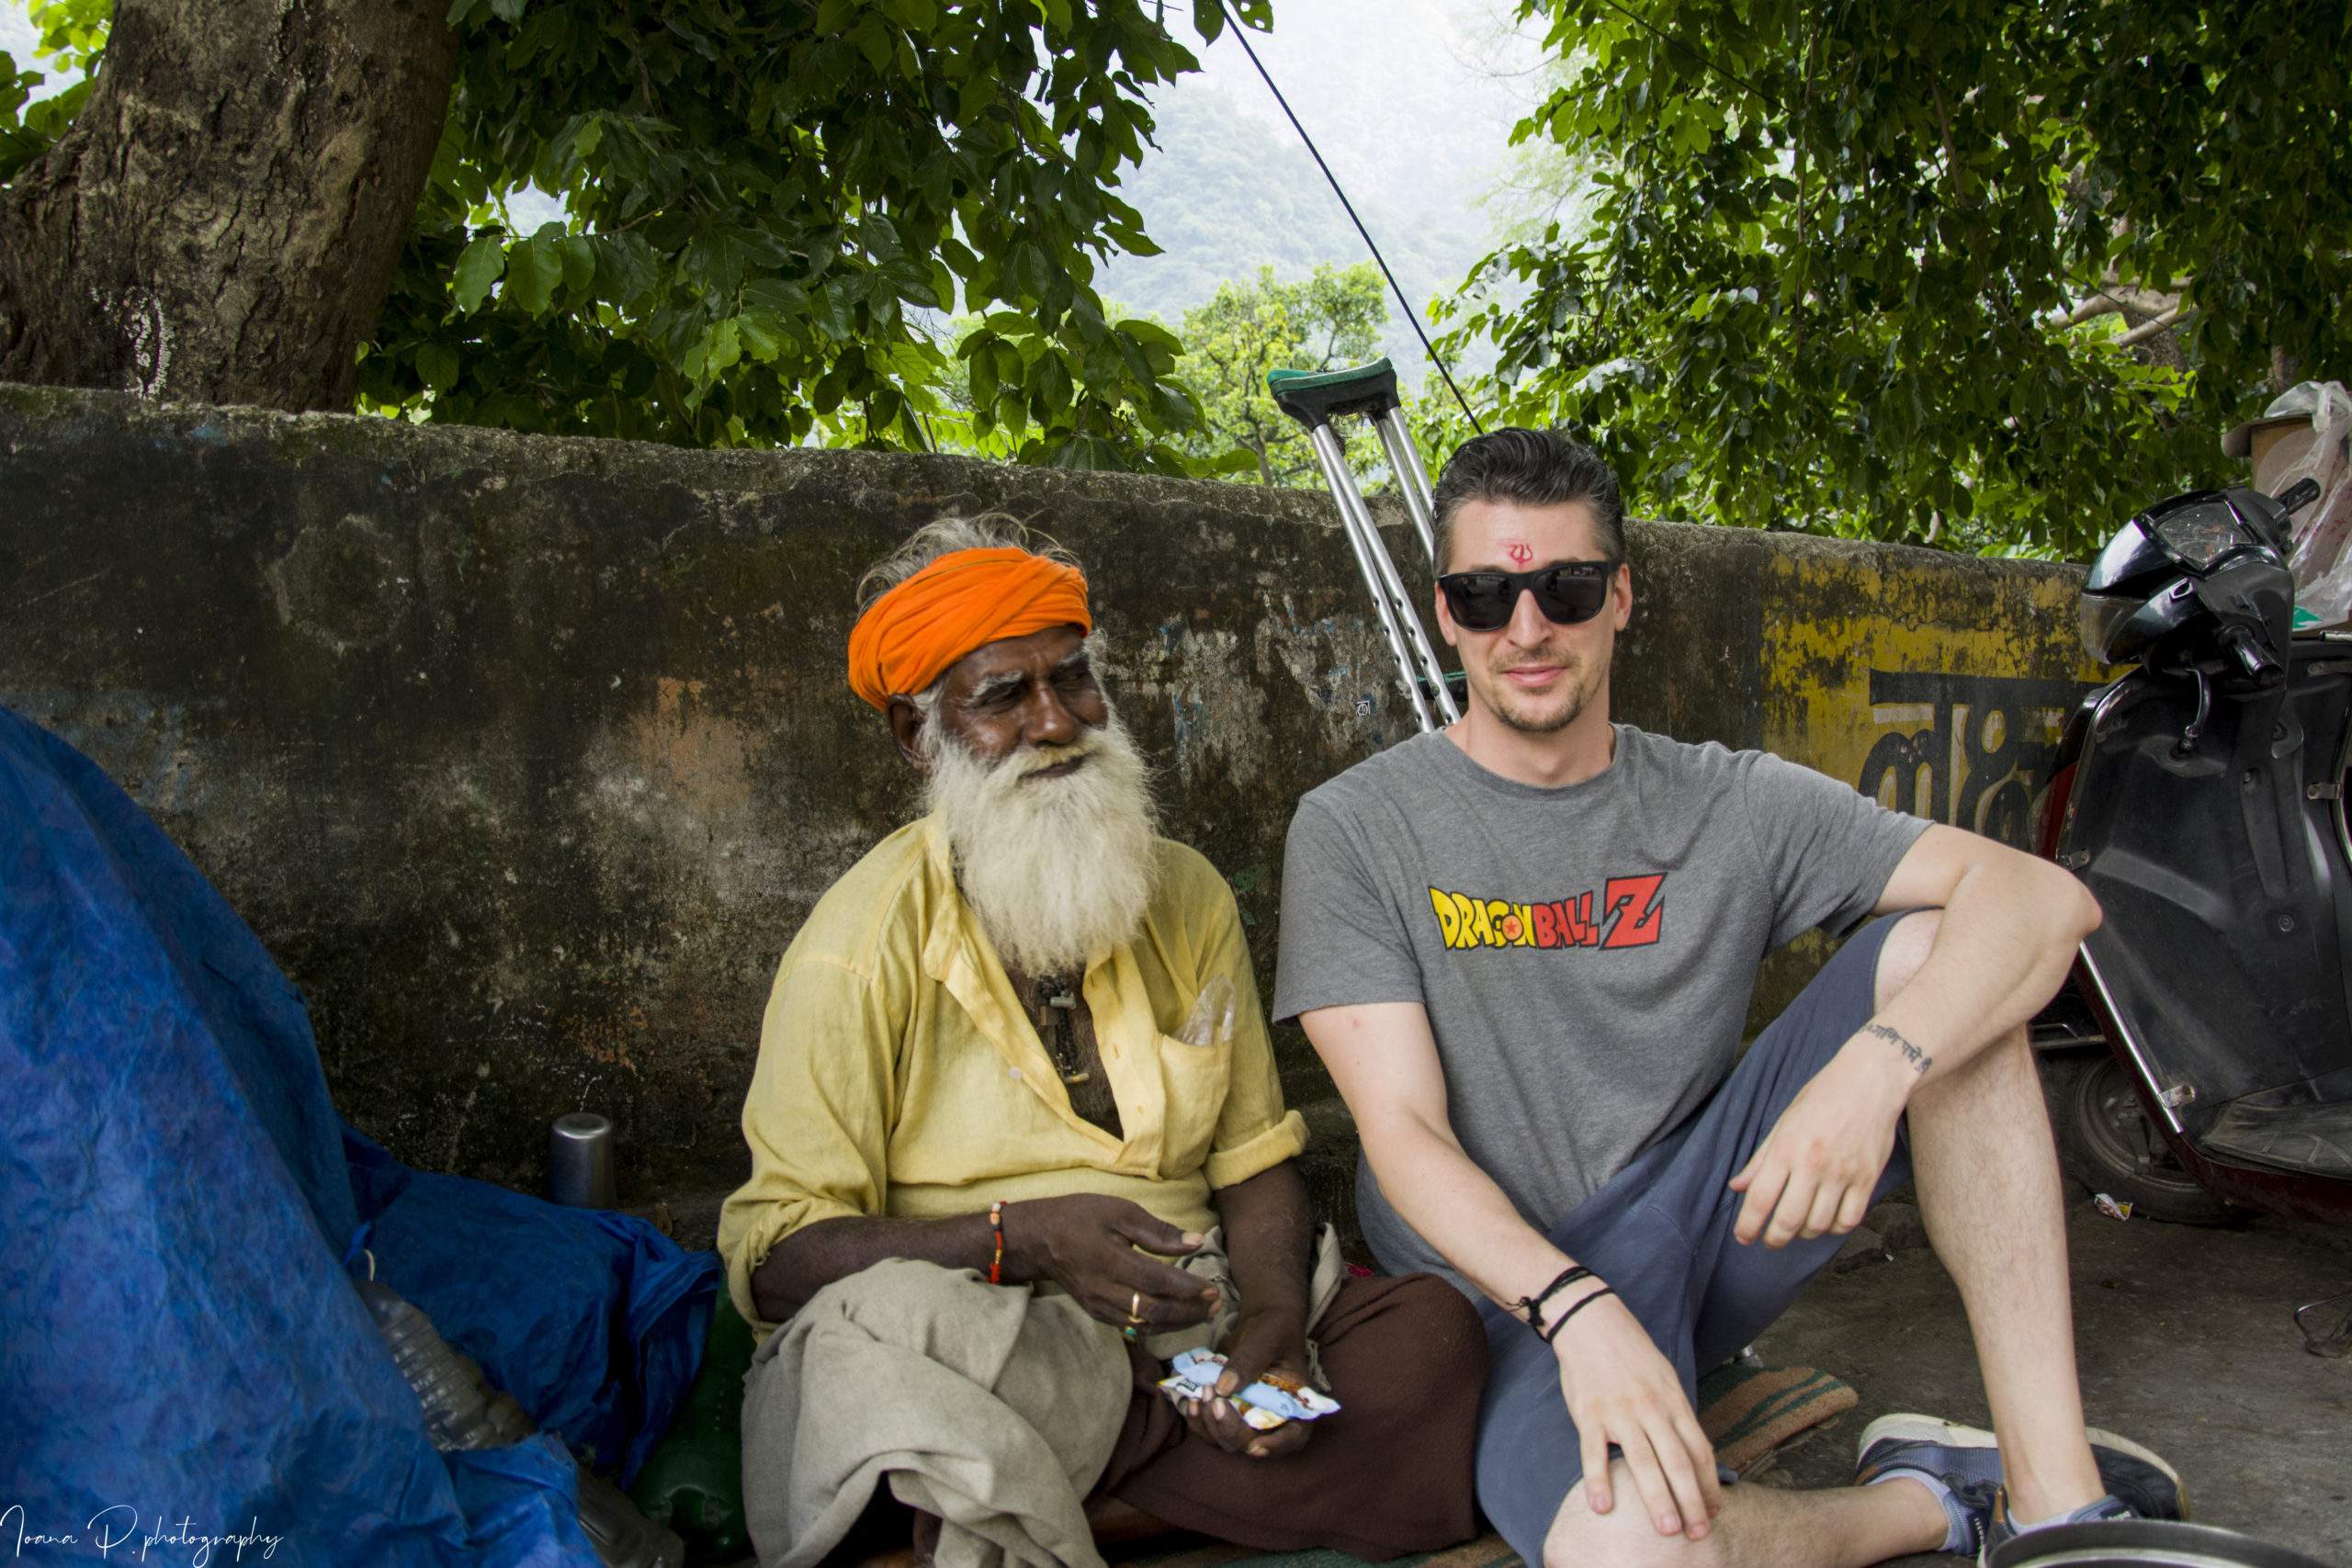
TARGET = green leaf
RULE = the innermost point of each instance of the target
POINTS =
(1086, 452)
(781, 295)
(1171, 407)
(725, 347)
(912, 281)
(828, 306)
(578, 254)
(479, 266)
(1031, 274)
(1052, 381)
(626, 269)
(533, 270)
(763, 335)
(1149, 332)
(713, 262)
(880, 239)
(437, 366)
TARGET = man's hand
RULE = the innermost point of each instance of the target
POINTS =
(1086, 1244)
(1619, 1389)
(1817, 1168)
(1261, 1342)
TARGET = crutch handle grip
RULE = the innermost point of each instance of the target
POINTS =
(1315, 398)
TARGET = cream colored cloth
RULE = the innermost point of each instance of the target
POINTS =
(898, 1074)
(991, 1406)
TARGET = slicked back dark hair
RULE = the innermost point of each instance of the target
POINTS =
(1528, 467)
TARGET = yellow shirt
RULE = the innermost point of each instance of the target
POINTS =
(898, 1074)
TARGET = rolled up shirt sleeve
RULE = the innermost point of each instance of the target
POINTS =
(818, 1118)
(1254, 1132)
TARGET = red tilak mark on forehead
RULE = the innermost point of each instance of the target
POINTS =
(1520, 555)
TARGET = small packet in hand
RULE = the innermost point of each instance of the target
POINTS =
(1265, 1404)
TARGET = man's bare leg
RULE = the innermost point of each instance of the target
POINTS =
(1988, 1174)
(1759, 1528)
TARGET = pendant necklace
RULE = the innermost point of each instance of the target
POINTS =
(1059, 1001)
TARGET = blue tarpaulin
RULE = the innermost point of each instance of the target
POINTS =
(182, 1356)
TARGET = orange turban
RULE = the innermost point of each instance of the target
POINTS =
(911, 636)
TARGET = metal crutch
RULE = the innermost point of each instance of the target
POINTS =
(1314, 400)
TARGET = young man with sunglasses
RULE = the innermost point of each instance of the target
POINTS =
(1526, 947)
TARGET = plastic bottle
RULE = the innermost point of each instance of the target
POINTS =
(456, 1413)
(462, 1411)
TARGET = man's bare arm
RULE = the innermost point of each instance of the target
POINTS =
(1383, 1060)
(1268, 1241)
(1618, 1388)
(814, 1255)
(1085, 1242)
(2009, 928)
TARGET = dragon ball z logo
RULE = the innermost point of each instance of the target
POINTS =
(1631, 912)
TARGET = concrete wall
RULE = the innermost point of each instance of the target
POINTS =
(526, 757)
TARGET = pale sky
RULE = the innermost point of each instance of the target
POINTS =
(1397, 93)
(17, 35)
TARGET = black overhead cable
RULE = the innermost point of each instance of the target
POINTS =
(1241, 37)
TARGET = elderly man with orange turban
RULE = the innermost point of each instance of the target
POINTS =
(1017, 1141)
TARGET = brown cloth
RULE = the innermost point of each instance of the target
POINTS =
(1389, 1474)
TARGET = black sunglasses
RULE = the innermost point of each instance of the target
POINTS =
(1566, 594)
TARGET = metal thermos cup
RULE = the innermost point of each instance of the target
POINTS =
(580, 1161)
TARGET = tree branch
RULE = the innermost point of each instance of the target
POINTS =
(2152, 327)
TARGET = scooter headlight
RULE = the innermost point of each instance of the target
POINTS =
(2101, 619)
(2199, 536)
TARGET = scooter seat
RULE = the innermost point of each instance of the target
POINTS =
(2310, 1140)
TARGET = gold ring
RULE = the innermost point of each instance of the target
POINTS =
(1134, 1307)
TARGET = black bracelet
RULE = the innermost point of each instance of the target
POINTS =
(1532, 1306)
(1548, 1335)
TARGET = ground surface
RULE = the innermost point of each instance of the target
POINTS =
(2186, 1343)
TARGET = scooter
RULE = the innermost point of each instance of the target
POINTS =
(2199, 1064)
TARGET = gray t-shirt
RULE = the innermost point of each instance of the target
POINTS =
(1585, 954)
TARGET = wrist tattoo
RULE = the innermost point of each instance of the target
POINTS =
(1920, 1061)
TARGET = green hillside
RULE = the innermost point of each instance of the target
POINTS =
(1225, 196)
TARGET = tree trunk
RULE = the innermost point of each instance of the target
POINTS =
(222, 221)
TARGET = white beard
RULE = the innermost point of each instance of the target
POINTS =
(1057, 869)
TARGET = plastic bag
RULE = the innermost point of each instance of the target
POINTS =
(183, 1351)
(1211, 1020)
(2322, 567)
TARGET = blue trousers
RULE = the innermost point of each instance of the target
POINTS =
(1660, 1234)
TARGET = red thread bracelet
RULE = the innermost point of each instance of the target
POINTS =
(996, 1224)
